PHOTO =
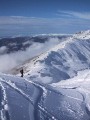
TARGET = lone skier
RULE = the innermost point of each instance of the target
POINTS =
(21, 71)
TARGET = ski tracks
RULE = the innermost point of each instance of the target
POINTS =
(85, 92)
(86, 95)
(12, 85)
(40, 107)
(4, 111)
(26, 96)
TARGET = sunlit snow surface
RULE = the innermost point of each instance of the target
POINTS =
(56, 85)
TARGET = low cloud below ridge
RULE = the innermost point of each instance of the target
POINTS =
(9, 61)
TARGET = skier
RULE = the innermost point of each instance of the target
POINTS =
(21, 71)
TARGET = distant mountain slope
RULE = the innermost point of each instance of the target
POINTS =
(63, 61)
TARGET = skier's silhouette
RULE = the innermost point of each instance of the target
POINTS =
(21, 71)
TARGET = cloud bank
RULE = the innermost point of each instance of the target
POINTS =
(64, 22)
(3, 49)
(9, 61)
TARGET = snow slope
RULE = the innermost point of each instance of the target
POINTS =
(66, 69)
(72, 87)
(23, 99)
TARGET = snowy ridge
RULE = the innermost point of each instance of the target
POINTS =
(61, 62)
(82, 35)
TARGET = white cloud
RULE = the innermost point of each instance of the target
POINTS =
(82, 15)
(19, 20)
(65, 23)
(3, 49)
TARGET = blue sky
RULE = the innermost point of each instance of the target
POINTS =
(25, 17)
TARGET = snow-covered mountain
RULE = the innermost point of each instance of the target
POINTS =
(56, 84)
(61, 62)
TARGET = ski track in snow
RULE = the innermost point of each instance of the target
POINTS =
(12, 85)
(47, 113)
(39, 107)
(4, 112)
(86, 95)
(44, 95)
